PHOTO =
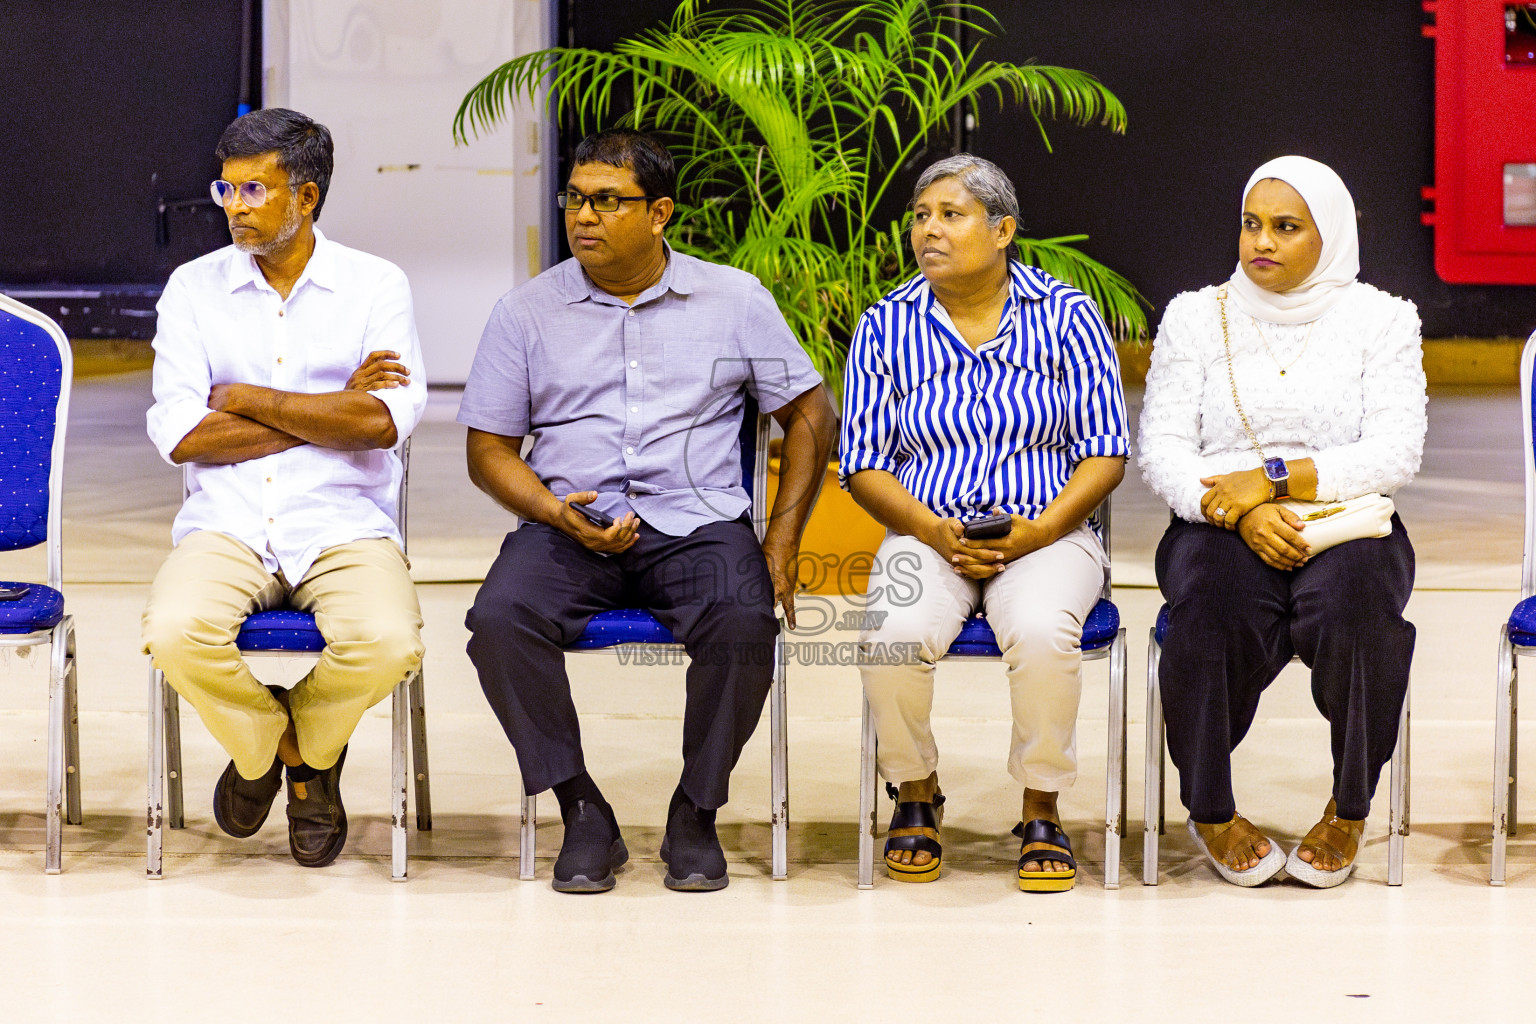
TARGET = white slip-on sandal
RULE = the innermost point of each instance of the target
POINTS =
(1263, 871)
(1316, 877)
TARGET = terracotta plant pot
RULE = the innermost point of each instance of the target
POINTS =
(840, 541)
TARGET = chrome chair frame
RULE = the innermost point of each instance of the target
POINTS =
(409, 702)
(777, 705)
(63, 801)
(1156, 767)
(1506, 727)
(1115, 783)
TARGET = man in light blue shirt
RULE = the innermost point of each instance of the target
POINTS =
(629, 367)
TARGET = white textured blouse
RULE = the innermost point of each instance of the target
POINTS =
(1351, 396)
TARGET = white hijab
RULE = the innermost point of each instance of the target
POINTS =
(1333, 211)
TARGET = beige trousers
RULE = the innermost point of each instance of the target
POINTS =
(363, 601)
(1036, 608)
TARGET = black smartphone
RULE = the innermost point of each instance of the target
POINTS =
(601, 520)
(14, 591)
(989, 527)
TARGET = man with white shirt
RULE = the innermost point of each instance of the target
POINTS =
(287, 368)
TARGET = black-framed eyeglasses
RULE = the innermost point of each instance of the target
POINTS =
(572, 201)
(252, 193)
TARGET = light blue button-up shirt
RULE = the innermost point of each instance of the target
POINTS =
(641, 403)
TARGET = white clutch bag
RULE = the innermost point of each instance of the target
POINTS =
(1327, 523)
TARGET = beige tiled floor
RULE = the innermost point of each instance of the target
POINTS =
(236, 932)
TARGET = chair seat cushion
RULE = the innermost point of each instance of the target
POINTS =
(976, 639)
(1522, 623)
(38, 609)
(622, 626)
(280, 630)
(1161, 628)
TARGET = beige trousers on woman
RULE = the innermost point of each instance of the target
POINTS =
(1036, 608)
(363, 601)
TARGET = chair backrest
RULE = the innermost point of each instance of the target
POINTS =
(1528, 429)
(754, 461)
(36, 368)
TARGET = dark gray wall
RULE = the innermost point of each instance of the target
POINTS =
(107, 107)
(1212, 90)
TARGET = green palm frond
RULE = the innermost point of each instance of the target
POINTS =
(790, 121)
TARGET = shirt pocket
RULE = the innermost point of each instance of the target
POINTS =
(697, 376)
(330, 365)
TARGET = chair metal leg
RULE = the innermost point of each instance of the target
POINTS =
(72, 813)
(155, 811)
(1397, 824)
(868, 749)
(525, 846)
(1114, 774)
(53, 851)
(1152, 824)
(778, 725)
(399, 714)
(423, 775)
(1503, 744)
(1514, 750)
(175, 816)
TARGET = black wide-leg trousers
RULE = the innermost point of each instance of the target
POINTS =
(1234, 623)
(711, 588)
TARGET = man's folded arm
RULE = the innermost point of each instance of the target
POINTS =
(345, 420)
(223, 439)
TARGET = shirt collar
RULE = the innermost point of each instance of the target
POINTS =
(321, 269)
(677, 277)
(1025, 284)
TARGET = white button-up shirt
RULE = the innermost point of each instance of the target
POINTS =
(221, 323)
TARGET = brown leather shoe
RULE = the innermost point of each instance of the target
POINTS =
(317, 822)
(241, 805)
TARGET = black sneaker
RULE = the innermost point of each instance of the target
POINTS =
(241, 805)
(591, 850)
(691, 850)
(317, 824)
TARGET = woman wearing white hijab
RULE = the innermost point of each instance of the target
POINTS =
(1329, 373)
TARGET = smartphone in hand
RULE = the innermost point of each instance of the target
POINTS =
(998, 524)
(601, 520)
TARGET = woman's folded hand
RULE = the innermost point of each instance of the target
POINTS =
(1232, 496)
(1274, 533)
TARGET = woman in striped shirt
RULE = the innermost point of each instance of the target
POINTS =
(981, 388)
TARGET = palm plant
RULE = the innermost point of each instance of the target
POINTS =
(790, 120)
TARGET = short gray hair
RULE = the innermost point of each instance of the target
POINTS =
(982, 178)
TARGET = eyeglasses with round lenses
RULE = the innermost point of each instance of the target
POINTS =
(252, 193)
(572, 201)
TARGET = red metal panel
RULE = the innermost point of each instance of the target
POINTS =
(1485, 118)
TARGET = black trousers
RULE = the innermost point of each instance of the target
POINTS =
(1234, 623)
(710, 588)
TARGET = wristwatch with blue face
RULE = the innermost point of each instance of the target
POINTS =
(1279, 478)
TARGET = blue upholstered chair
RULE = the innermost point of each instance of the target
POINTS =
(36, 368)
(285, 633)
(1103, 637)
(1517, 636)
(610, 630)
(1154, 824)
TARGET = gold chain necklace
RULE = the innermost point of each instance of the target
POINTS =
(1265, 339)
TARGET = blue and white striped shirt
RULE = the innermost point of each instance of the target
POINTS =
(1002, 426)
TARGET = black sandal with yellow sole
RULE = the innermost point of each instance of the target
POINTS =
(914, 828)
(1056, 846)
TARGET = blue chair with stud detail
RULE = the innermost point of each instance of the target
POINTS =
(285, 633)
(1154, 824)
(1517, 636)
(608, 631)
(1103, 637)
(36, 367)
